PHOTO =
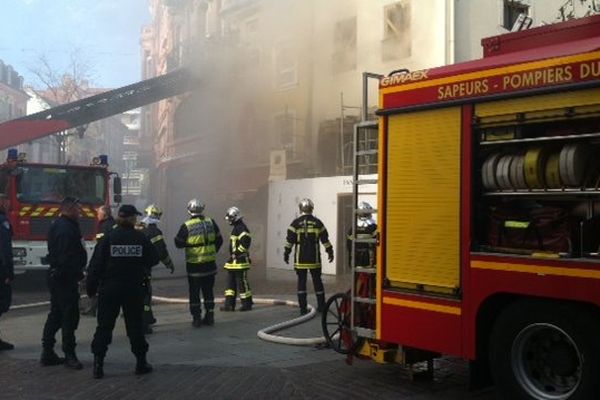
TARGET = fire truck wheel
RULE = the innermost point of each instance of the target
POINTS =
(545, 351)
(335, 322)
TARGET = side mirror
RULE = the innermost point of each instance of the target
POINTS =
(117, 190)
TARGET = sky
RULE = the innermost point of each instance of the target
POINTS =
(105, 34)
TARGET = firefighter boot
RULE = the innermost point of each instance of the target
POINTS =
(98, 367)
(71, 361)
(302, 303)
(209, 318)
(142, 367)
(246, 304)
(50, 358)
(320, 302)
(229, 304)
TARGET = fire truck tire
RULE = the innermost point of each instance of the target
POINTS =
(335, 321)
(545, 351)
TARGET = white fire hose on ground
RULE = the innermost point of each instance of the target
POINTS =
(264, 334)
(267, 333)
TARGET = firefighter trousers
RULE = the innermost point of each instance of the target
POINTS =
(148, 314)
(204, 285)
(315, 273)
(63, 315)
(237, 282)
(113, 296)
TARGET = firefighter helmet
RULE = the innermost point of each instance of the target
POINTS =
(153, 211)
(233, 214)
(364, 210)
(195, 208)
(306, 206)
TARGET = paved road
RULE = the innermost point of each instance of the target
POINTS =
(226, 361)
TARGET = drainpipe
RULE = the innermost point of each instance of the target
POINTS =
(450, 30)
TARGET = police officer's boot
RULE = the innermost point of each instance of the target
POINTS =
(302, 303)
(229, 304)
(142, 366)
(98, 367)
(320, 302)
(246, 304)
(50, 358)
(209, 318)
(71, 361)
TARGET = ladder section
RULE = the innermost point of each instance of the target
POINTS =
(364, 233)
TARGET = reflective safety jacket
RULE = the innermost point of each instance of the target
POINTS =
(201, 238)
(239, 247)
(304, 235)
(365, 252)
(152, 232)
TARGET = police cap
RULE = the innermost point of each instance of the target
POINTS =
(127, 210)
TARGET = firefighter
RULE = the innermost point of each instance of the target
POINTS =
(7, 273)
(201, 239)
(364, 256)
(239, 262)
(304, 235)
(67, 258)
(116, 275)
(149, 227)
(105, 224)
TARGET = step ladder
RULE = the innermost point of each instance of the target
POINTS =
(365, 151)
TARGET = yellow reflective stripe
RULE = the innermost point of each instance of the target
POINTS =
(327, 245)
(229, 292)
(241, 235)
(157, 238)
(292, 229)
(242, 248)
(306, 266)
(24, 211)
(288, 245)
(51, 212)
(99, 236)
(37, 212)
(516, 224)
(246, 295)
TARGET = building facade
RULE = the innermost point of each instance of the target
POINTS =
(281, 86)
(13, 99)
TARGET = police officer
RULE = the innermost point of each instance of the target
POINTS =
(201, 239)
(6, 268)
(303, 236)
(239, 262)
(149, 227)
(67, 258)
(116, 275)
(105, 224)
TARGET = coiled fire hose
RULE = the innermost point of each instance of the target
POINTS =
(266, 334)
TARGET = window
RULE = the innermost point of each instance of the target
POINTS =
(512, 10)
(286, 64)
(396, 31)
(344, 44)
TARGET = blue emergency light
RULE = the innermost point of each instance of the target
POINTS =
(13, 155)
(103, 159)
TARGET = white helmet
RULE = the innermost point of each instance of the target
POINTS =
(233, 214)
(306, 206)
(195, 208)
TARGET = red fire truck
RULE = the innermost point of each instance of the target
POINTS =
(34, 190)
(488, 213)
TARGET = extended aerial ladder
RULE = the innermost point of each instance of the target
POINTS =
(93, 108)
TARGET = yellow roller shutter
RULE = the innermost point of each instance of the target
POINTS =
(423, 200)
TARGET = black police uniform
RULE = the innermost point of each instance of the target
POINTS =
(155, 235)
(304, 235)
(104, 227)
(6, 270)
(67, 258)
(117, 274)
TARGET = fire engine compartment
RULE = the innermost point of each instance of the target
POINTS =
(536, 182)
